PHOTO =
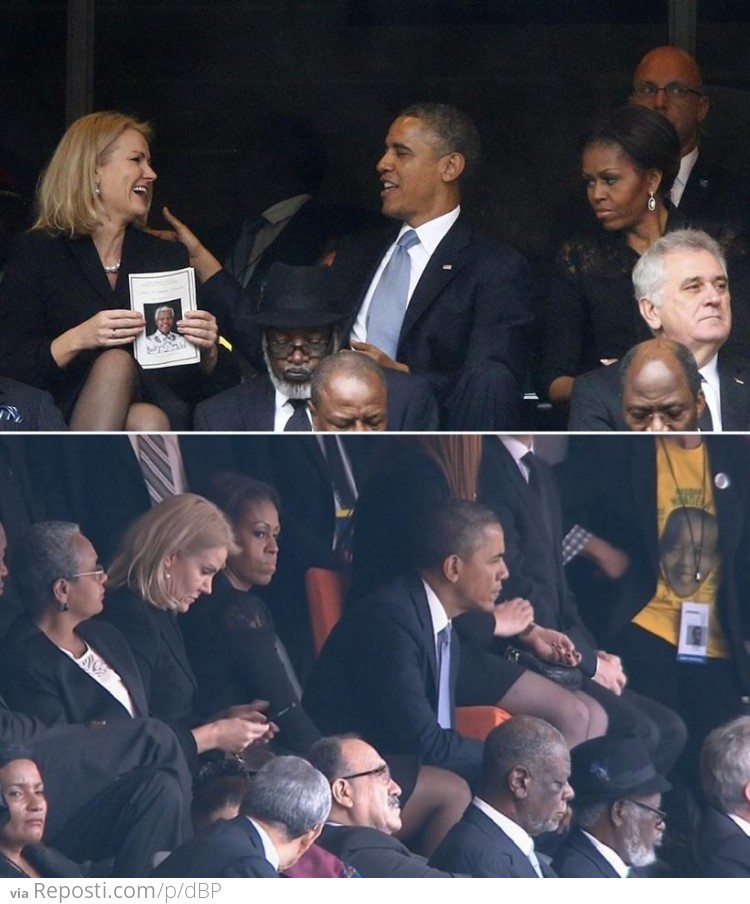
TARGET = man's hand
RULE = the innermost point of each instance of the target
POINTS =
(612, 561)
(550, 645)
(512, 617)
(378, 356)
(609, 672)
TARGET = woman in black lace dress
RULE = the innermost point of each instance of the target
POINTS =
(630, 160)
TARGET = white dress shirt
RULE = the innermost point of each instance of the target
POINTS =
(686, 167)
(283, 410)
(269, 850)
(712, 391)
(610, 855)
(519, 836)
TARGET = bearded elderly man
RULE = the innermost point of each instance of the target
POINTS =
(300, 327)
(523, 792)
(365, 812)
(682, 290)
(617, 821)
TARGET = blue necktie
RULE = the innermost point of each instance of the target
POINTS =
(445, 714)
(388, 302)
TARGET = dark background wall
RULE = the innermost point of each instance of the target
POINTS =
(533, 75)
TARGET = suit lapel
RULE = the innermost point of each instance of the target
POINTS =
(580, 843)
(85, 255)
(130, 678)
(422, 608)
(170, 632)
(734, 395)
(442, 267)
(520, 863)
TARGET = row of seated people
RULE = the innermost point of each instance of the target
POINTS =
(367, 678)
(441, 308)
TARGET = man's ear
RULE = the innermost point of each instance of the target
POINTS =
(452, 567)
(650, 313)
(700, 404)
(341, 793)
(616, 813)
(518, 781)
(452, 166)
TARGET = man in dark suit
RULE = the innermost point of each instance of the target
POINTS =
(683, 294)
(298, 325)
(521, 489)
(429, 296)
(523, 792)
(280, 818)
(389, 667)
(669, 81)
(722, 845)
(616, 815)
(365, 812)
(24, 407)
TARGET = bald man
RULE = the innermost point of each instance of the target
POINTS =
(349, 393)
(661, 388)
(669, 80)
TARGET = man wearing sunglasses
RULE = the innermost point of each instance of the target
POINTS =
(617, 821)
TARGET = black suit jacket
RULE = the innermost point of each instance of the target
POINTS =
(621, 507)
(227, 849)
(377, 675)
(597, 398)
(251, 406)
(27, 408)
(476, 846)
(722, 848)
(376, 855)
(39, 679)
(713, 195)
(533, 544)
(54, 284)
(577, 858)
(470, 309)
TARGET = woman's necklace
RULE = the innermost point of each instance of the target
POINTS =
(112, 268)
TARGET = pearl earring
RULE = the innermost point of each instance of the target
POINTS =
(97, 190)
(651, 201)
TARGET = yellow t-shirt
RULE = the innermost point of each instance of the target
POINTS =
(689, 556)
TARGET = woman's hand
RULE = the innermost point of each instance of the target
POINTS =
(550, 645)
(200, 257)
(233, 735)
(512, 617)
(201, 328)
(107, 329)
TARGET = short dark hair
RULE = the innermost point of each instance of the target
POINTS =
(521, 741)
(352, 364)
(456, 527)
(684, 358)
(219, 783)
(645, 136)
(232, 492)
(327, 756)
(455, 130)
(9, 753)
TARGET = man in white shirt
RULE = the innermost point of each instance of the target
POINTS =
(682, 290)
(429, 296)
(617, 820)
(723, 843)
(523, 792)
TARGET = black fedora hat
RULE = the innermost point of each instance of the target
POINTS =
(613, 768)
(297, 297)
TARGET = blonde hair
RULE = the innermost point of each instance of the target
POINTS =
(458, 457)
(66, 196)
(185, 524)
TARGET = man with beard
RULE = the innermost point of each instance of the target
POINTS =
(523, 792)
(300, 327)
(617, 820)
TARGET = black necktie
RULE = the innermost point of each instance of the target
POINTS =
(342, 490)
(299, 421)
(536, 485)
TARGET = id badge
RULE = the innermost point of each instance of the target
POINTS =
(693, 645)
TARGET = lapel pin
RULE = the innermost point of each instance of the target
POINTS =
(447, 266)
(737, 380)
(721, 481)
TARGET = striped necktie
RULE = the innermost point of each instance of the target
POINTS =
(153, 458)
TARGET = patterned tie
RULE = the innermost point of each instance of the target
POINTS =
(388, 303)
(153, 458)
(299, 421)
(445, 714)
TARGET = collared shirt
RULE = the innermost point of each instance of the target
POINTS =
(283, 410)
(517, 450)
(172, 441)
(278, 215)
(430, 235)
(686, 167)
(269, 849)
(438, 615)
(712, 392)
(740, 823)
(610, 855)
(520, 837)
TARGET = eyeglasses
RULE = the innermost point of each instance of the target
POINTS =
(99, 574)
(674, 91)
(282, 348)
(381, 771)
(659, 815)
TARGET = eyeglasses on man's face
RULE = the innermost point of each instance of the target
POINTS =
(660, 817)
(381, 771)
(674, 91)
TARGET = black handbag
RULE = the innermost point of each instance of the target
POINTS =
(567, 676)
